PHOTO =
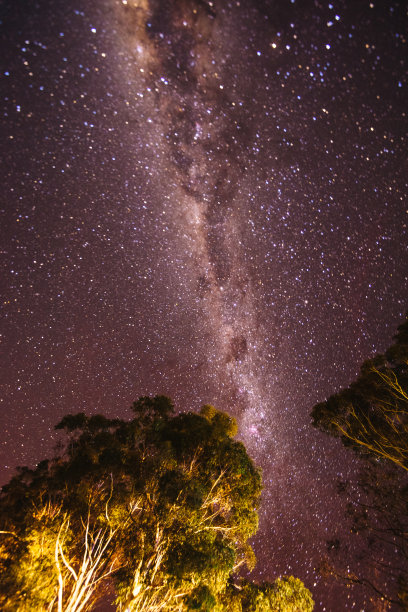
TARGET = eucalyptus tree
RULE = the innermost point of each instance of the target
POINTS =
(157, 511)
(371, 417)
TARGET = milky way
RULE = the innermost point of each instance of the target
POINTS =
(204, 199)
(201, 135)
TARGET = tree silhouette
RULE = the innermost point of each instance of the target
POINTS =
(371, 417)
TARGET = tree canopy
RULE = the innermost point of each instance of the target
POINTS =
(156, 511)
(371, 417)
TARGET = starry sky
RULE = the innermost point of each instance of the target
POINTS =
(204, 199)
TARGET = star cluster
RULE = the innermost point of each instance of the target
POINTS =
(204, 199)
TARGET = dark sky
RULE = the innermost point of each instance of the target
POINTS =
(204, 199)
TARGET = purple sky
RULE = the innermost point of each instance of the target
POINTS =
(204, 199)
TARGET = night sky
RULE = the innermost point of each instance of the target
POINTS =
(204, 199)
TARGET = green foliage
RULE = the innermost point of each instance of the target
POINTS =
(222, 421)
(371, 415)
(169, 501)
(200, 599)
(158, 509)
(286, 594)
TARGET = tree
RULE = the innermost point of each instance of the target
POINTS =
(157, 510)
(285, 594)
(371, 417)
